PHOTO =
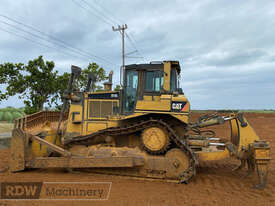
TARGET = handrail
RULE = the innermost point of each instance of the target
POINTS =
(33, 120)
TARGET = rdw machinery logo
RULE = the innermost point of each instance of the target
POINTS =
(20, 190)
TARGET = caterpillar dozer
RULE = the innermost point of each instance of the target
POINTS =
(143, 130)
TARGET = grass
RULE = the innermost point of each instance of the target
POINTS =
(6, 127)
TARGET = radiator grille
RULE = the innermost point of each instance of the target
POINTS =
(101, 108)
(106, 108)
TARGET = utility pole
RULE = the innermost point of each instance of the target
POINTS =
(121, 29)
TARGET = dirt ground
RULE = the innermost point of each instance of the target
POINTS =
(214, 184)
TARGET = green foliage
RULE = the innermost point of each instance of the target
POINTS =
(9, 114)
(100, 75)
(7, 117)
(99, 88)
(9, 73)
(38, 84)
(117, 88)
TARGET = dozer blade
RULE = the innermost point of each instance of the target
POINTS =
(17, 151)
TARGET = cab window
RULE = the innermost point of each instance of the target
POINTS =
(174, 80)
(153, 81)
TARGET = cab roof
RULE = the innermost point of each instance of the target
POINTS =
(153, 65)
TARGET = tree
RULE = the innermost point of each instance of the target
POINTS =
(8, 73)
(37, 82)
(99, 73)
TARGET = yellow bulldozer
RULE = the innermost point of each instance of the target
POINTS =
(143, 130)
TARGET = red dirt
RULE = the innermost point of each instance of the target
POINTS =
(214, 184)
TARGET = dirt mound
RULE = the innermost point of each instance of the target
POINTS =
(214, 184)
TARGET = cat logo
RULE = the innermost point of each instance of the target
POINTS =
(178, 106)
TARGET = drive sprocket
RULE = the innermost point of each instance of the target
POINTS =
(155, 140)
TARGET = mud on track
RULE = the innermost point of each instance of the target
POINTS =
(214, 183)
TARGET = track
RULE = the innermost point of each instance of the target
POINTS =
(214, 183)
(130, 129)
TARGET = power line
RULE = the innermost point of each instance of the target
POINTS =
(56, 39)
(133, 44)
(89, 11)
(35, 42)
(104, 17)
(129, 37)
(132, 36)
(131, 57)
(39, 37)
(131, 52)
(108, 11)
(100, 12)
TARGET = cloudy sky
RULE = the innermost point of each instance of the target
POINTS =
(226, 48)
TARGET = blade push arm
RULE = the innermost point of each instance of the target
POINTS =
(244, 144)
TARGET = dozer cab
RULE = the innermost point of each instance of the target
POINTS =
(143, 130)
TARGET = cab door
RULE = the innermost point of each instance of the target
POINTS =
(152, 97)
(131, 88)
